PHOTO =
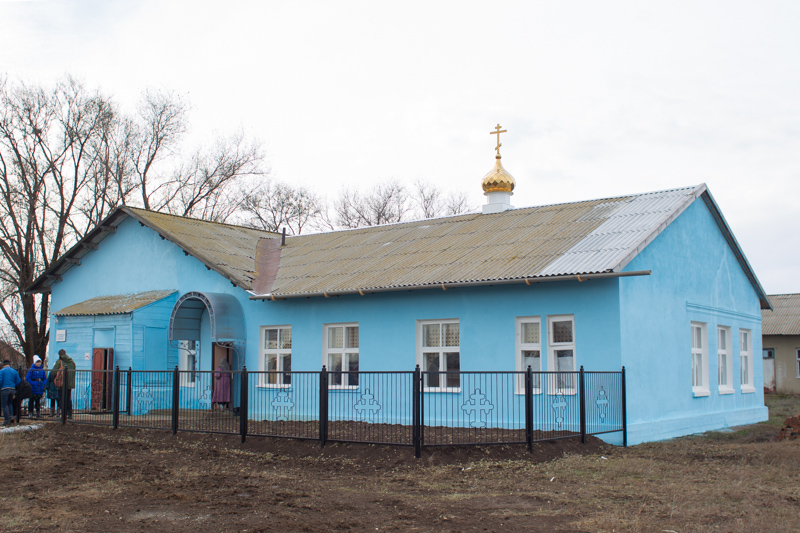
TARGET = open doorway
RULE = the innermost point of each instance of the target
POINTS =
(102, 378)
(222, 384)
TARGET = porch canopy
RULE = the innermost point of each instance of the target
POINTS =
(224, 313)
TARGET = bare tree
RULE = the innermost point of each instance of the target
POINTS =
(47, 161)
(385, 203)
(68, 157)
(457, 203)
(277, 205)
(428, 199)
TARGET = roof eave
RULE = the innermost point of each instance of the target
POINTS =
(445, 286)
(737, 250)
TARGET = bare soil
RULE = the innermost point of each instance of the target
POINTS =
(88, 478)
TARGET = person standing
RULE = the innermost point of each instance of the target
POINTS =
(53, 392)
(222, 388)
(37, 378)
(9, 379)
(69, 383)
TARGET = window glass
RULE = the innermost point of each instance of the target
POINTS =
(335, 337)
(451, 334)
(352, 337)
(562, 331)
(430, 335)
(271, 339)
(530, 332)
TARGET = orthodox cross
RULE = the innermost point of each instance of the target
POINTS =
(497, 131)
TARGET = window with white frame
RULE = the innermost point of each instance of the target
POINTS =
(276, 356)
(725, 363)
(341, 355)
(746, 360)
(561, 353)
(699, 360)
(797, 361)
(189, 356)
(529, 351)
(439, 354)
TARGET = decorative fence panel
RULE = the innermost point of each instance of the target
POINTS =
(398, 408)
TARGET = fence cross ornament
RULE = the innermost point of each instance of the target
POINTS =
(367, 407)
(144, 398)
(602, 403)
(477, 406)
(282, 404)
(559, 406)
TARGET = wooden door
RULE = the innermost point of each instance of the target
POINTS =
(102, 378)
(98, 365)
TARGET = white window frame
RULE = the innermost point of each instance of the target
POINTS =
(441, 350)
(746, 361)
(522, 347)
(797, 361)
(187, 379)
(724, 361)
(346, 352)
(279, 353)
(555, 383)
(699, 360)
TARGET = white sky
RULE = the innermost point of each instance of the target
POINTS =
(599, 98)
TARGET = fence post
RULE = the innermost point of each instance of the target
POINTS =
(176, 397)
(129, 391)
(529, 407)
(323, 406)
(115, 416)
(624, 412)
(243, 389)
(416, 412)
(64, 392)
(582, 399)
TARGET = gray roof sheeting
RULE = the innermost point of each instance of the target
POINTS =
(116, 304)
(784, 319)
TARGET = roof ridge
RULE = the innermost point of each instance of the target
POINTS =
(478, 213)
(193, 219)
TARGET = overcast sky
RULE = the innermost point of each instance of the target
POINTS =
(599, 98)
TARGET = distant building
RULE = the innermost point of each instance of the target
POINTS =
(781, 344)
(654, 282)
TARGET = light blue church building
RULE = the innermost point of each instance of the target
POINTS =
(653, 282)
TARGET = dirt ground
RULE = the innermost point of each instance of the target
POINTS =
(87, 478)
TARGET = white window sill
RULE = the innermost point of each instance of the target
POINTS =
(726, 390)
(187, 385)
(747, 389)
(343, 388)
(446, 390)
(699, 393)
(274, 386)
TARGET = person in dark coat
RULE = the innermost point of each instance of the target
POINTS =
(53, 392)
(37, 378)
(9, 379)
(68, 364)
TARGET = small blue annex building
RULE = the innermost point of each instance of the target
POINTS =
(653, 282)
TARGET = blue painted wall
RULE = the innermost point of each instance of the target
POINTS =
(695, 277)
(642, 323)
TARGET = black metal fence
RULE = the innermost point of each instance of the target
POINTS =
(416, 409)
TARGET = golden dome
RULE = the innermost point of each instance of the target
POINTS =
(498, 180)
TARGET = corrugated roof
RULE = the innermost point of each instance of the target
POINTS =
(784, 319)
(229, 249)
(576, 238)
(116, 304)
(596, 237)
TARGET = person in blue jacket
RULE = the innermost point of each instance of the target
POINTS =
(9, 379)
(37, 378)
